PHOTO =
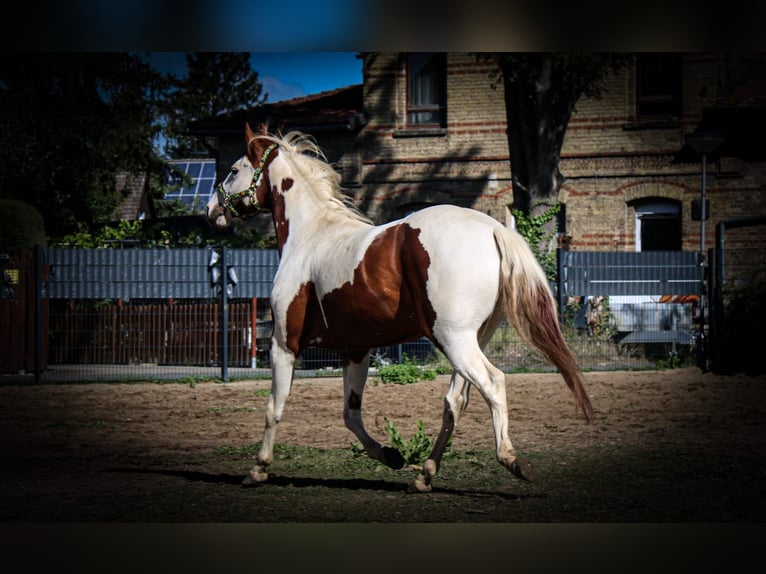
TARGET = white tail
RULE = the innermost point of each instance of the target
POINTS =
(531, 308)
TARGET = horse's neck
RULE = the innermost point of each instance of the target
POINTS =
(313, 225)
(303, 217)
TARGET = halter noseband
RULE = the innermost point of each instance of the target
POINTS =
(228, 199)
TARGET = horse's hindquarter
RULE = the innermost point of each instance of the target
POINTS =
(463, 278)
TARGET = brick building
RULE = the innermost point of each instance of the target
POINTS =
(430, 128)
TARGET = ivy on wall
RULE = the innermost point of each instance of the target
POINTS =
(539, 231)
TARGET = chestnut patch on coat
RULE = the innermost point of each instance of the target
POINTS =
(263, 192)
(281, 223)
(287, 183)
(385, 303)
(296, 317)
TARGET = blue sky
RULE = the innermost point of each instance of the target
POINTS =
(286, 75)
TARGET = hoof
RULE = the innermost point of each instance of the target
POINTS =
(420, 484)
(523, 469)
(392, 458)
(255, 477)
(417, 486)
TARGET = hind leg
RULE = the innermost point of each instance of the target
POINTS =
(282, 361)
(455, 402)
(494, 394)
(469, 361)
(354, 379)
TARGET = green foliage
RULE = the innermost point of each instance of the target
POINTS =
(605, 328)
(569, 74)
(82, 118)
(416, 449)
(154, 233)
(408, 371)
(70, 126)
(21, 227)
(539, 231)
(105, 236)
(744, 316)
(217, 82)
(672, 361)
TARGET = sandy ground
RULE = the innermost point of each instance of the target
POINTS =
(119, 422)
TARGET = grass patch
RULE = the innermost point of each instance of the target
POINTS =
(606, 483)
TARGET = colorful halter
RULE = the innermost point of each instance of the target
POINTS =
(228, 199)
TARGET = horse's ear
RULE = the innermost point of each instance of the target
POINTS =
(249, 134)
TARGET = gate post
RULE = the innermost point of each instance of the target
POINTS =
(224, 319)
(708, 303)
(219, 280)
(38, 262)
(718, 281)
(560, 283)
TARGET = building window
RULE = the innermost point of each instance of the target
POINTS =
(658, 225)
(426, 89)
(658, 86)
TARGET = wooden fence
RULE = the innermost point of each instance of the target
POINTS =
(158, 332)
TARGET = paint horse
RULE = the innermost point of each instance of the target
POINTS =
(447, 273)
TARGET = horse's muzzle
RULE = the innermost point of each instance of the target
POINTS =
(219, 216)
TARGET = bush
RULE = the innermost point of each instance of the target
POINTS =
(21, 227)
(406, 372)
(741, 347)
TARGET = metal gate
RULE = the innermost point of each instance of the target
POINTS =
(142, 309)
(738, 295)
(20, 305)
(654, 297)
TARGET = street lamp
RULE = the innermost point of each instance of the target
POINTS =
(704, 143)
(223, 279)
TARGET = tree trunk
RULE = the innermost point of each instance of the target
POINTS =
(537, 117)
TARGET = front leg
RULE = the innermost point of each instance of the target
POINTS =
(282, 368)
(354, 379)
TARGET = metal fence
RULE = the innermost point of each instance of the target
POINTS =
(158, 314)
(738, 295)
(149, 332)
(648, 306)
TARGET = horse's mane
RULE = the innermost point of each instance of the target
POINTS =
(319, 177)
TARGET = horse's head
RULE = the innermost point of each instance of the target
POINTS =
(245, 191)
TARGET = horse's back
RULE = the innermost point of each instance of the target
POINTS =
(453, 215)
(458, 235)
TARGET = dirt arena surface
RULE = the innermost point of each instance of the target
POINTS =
(140, 452)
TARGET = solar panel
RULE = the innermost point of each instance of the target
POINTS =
(196, 194)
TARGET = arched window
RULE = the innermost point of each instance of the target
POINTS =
(658, 225)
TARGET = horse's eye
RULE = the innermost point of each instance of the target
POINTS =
(234, 171)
